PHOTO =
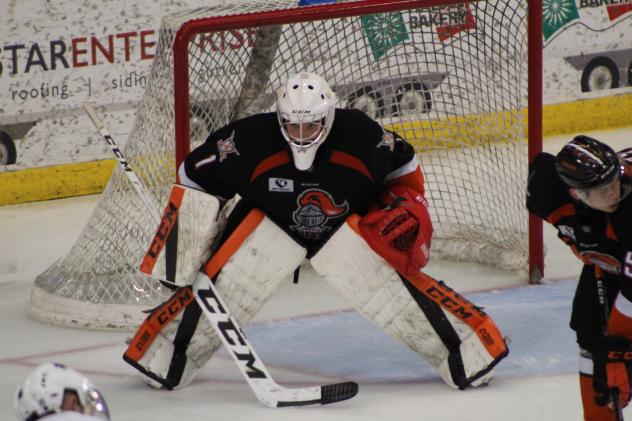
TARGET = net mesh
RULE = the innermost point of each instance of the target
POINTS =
(450, 79)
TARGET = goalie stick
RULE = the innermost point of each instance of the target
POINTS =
(267, 391)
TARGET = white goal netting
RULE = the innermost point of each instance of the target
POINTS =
(451, 79)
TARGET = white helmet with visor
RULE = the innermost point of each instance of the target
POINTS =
(305, 109)
(54, 388)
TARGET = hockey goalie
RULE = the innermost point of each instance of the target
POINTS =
(313, 181)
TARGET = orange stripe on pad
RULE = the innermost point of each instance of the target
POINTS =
(157, 320)
(449, 299)
(353, 221)
(476, 318)
(234, 241)
(164, 229)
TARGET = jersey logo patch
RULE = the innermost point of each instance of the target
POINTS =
(280, 184)
(226, 147)
(315, 208)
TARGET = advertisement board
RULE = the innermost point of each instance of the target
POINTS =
(57, 55)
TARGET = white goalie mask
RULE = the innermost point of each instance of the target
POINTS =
(305, 109)
(54, 388)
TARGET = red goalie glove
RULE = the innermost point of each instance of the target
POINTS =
(401, 232)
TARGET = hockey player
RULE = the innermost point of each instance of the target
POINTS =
(331, 185)
(584, 193)
(54, 392)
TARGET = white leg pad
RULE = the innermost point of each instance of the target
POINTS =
(375, 289)
(473, 353)
(199, 222)
(266, 258)
(158, 357)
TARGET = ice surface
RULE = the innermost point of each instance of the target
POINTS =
(306, 335)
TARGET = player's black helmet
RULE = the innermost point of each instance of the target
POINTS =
(584, 163)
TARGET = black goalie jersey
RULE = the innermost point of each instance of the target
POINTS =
(251, 158)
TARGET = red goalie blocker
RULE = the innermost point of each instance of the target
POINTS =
(402, 231)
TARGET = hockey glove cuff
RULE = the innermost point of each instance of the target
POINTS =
(401, 232)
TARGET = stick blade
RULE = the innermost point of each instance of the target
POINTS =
(328, 394)
(338, 392)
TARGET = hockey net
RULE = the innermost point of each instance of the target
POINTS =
(450, 78)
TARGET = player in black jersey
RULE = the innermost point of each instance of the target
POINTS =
(335, 187)
(54, 392)
(584, 192)
(281, 162)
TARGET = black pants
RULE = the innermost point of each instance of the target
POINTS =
(589, 318)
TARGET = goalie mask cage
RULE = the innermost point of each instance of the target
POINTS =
(450, 77)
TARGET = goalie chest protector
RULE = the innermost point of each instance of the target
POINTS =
(250, 157)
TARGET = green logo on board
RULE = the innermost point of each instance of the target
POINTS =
(556, 14)
(384, 31)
